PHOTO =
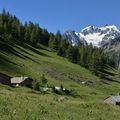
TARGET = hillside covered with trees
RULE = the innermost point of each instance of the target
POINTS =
(12, 32)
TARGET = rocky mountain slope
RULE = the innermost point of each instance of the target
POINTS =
(98, 36)
(74, 38)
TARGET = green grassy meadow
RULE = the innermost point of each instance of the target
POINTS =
(27, 104)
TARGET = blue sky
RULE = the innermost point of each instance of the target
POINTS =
(65, 14)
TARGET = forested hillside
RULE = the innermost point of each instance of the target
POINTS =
(12, 32)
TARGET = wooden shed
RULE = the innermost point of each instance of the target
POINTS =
(15, 81)
(115, 100)
(5, 79)
(27, 82)
(23, 81)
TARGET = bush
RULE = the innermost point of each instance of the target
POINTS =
(43, 79)
(36, 85)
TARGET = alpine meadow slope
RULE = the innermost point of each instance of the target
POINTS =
(23, 103)
(28, 50)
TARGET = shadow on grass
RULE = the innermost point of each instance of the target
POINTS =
(8, 65)
(41, 47)
(113, 80)
(4, 60)
(34, 50)
(108, 72)
(21, 49)
(108, 76)
(10, 50)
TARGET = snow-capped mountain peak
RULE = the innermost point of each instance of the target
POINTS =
(88, 28)
(113, 27)
(98, 36)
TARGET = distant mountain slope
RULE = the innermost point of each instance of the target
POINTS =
(74, 38)
(106, 37)
(113, 49)
(98, 36)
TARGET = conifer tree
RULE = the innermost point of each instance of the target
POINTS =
(72, 54)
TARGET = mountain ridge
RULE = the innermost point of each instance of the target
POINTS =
(92, 33)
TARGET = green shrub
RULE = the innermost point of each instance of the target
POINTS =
(43, 79)
(36, 85)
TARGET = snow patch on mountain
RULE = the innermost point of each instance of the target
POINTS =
(94, 38)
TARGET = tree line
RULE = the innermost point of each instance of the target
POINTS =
(90, 57)
(12, 31)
